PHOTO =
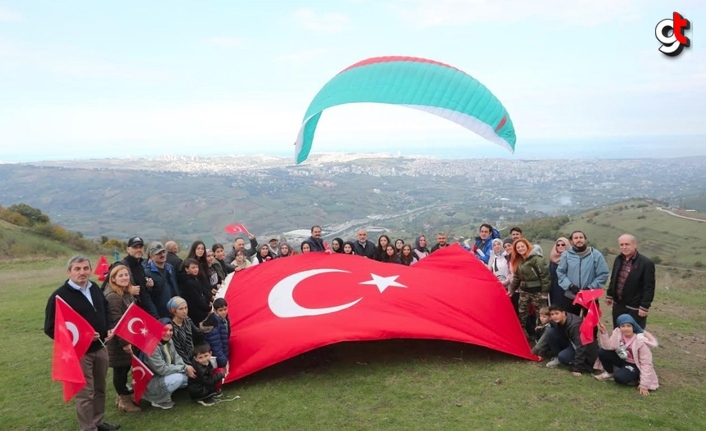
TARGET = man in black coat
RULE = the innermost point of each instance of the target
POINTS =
(87, 299)
(632, 283)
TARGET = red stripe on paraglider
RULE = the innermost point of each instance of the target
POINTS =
(395, 58)
(502, 123)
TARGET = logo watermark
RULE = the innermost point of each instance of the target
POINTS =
(670, 32)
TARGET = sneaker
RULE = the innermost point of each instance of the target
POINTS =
(603, 376)
(164, 405)
(208, 402)
(553, 363)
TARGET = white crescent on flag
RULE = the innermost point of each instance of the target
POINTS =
(132, 322)
(74, 332)
(281, 298)
(136, 370)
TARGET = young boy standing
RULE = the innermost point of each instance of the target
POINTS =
(219, 337)
(202, 387)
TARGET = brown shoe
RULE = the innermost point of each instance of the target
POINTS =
(126, 405)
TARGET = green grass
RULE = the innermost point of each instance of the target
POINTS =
(20, 243)
(387, 385)
(676, 241)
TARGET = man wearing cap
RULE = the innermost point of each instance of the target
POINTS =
(163, 276)
(274, 245)
(133, 260)
(632, 283)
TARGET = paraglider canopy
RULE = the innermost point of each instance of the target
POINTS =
(414, 82)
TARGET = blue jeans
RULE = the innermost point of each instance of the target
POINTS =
(560, 346)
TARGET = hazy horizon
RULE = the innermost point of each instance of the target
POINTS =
(588, 148)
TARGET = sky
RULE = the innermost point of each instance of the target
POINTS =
(86, 79)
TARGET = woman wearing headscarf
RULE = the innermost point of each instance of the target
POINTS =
(186, 333)
(498, 263)
(284, 250)
(169, 370)
(556, 293)
(420, 247)
(264, 254)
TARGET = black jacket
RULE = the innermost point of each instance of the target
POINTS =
(192, 292)
(366, 251)
(137, 278)
(97, 315)
(586, 354)
(639, 288)
(204, 384)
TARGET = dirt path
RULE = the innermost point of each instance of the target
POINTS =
(680, 216)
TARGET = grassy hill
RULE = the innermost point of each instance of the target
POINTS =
(20, 244)
(671, 240)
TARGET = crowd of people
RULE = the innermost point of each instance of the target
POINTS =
(193, 354)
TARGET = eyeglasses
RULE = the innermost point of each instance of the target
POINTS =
(560, 244)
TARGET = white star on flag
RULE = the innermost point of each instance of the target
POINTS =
(65, 355)
(143, 331)
(383, 283)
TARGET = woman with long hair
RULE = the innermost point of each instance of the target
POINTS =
(383, 242)
(198, 252)
(531, 277)
(120, 293)
(406, 256)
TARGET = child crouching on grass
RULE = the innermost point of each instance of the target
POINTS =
(626, 357)
(204, 387)
(541, 332)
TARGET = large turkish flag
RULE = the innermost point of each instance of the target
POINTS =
(299, 303)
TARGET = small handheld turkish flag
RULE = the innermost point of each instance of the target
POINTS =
(140, 329)
(309, 301)
(587, 299)
(81, 331)
(236, 228)
(66, 365)
(141, 376)
(102, 268)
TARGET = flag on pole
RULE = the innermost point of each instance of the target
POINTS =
(66, 365)
(102, 268)
(141, 376)
(587, 299)
(236, 228)
(140, 329)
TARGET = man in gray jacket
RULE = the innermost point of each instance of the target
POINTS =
(581, 267)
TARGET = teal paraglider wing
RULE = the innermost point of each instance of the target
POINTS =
(417, 83)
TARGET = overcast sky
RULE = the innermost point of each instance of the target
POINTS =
(87, 79)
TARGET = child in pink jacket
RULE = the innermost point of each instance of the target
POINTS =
(626, 356)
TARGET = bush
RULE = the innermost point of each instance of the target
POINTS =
(657, 260)
(640, 217)
(698, 264)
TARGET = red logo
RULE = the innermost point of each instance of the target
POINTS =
(670, 32)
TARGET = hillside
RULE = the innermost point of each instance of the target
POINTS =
(671, 240)
(191, 198)
(17, 243)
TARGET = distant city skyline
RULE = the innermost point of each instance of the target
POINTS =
(87, 80)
